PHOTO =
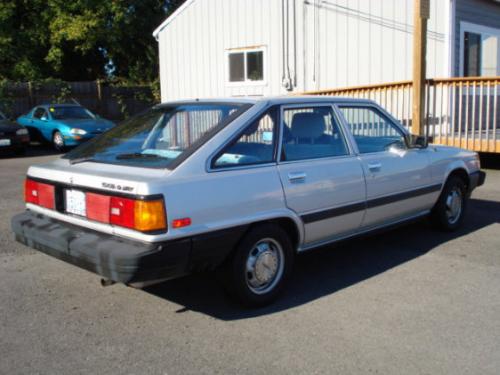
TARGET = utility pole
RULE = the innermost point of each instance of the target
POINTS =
(421, 15)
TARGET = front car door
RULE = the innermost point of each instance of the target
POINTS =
(398, 178)
(40, 122)
(322, 178)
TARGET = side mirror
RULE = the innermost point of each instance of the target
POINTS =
(419, 141)
(43, 118)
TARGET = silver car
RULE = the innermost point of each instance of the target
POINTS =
(240, 186)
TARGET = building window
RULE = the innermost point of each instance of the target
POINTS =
(246, 66)
(480, 50)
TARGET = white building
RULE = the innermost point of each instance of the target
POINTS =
(213, 48)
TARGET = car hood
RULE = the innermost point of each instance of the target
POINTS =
(6, 125)
(452, 150)
(87, 125)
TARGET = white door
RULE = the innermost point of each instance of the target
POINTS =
(398, 178)
(322, 179)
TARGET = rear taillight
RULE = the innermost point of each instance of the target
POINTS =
(98, 207)
(141, 215)
(137, 214)
(39, 193)
(30, 191)
(122, 212)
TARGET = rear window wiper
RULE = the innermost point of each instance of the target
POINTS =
(137, 155)
(81, 160)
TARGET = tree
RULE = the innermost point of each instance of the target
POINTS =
(80, 39)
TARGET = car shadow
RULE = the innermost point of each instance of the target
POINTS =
(324, 271)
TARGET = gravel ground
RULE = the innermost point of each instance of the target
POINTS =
(410, 301)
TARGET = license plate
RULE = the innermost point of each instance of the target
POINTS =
(75, 202)
(4, 142)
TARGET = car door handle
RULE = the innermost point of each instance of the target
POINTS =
(296, 176)
(373, 167)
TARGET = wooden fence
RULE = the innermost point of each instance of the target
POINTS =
(463, 112)
(109, 101)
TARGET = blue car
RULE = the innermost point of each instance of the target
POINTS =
(63, 125)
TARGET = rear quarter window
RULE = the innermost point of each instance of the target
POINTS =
(255, 145)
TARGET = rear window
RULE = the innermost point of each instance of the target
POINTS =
(159, 138)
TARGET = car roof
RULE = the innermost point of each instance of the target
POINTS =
(290, 99)
(57, 105)
(314, 99)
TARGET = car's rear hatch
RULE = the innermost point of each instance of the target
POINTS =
(100, 176)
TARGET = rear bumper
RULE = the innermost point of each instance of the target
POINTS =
(476, 179)
(109, 256)
(123, 260)
(16, 143)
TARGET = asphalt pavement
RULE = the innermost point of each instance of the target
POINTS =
(409, 301)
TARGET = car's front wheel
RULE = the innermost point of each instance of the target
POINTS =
(260, 265)
(58, 141)
(448, 213)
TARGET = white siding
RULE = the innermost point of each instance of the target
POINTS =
(366, 42)
(193, 47)
(339, 43)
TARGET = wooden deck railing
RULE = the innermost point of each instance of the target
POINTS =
(462, 112)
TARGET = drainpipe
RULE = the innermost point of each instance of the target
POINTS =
(287, 82)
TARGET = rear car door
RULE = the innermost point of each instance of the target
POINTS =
(322, 179)
(398, 178)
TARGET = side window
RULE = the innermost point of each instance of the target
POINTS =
(39, 113)
(255, 145)
(372, 131)
(310, 133)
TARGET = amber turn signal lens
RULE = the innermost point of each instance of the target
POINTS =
(149, 215)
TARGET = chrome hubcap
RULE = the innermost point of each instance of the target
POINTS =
(454, 205)
(58, 140)
(264, 266)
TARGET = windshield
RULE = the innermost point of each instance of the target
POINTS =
(71, 113)
(159, 137)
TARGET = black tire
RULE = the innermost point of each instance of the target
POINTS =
(441, 215)
(238, 281)
(58, 141)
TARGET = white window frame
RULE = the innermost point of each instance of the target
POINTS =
(477, 29)
(245, 51)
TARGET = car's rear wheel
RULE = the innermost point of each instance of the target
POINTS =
(260, 265)
(448, 213)
(58, 141)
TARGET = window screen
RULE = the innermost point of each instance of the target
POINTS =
(246, 66)
(237, 67)
(255, 66)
